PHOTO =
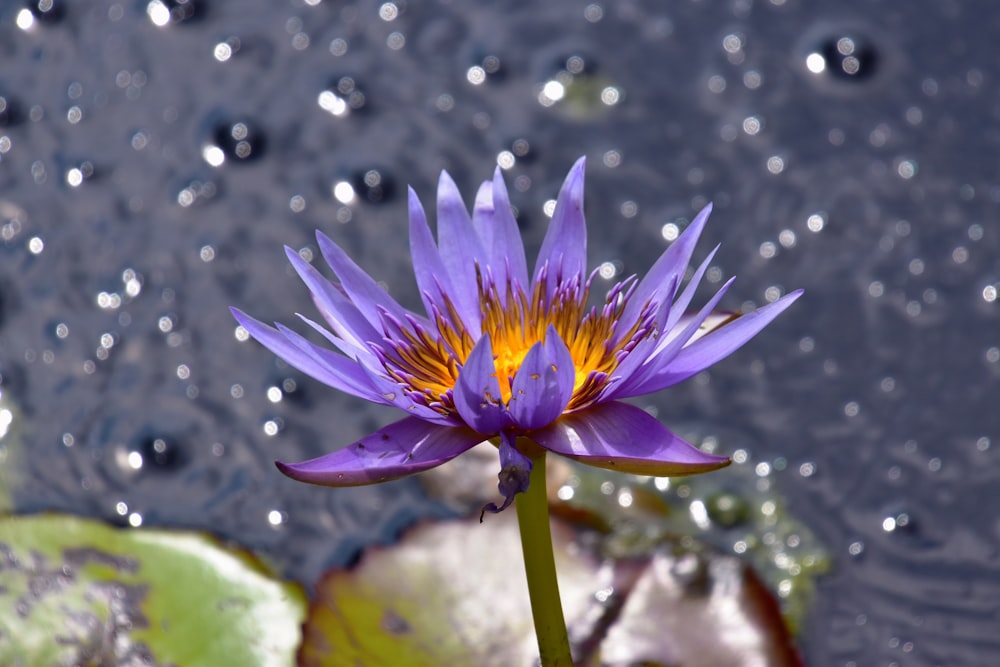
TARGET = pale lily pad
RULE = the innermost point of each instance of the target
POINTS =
(698, 610)
(79, 592)
(449, 593)
(453, 593)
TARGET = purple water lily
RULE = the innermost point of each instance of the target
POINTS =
(522, 361)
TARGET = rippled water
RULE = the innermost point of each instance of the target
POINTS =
(149, 175)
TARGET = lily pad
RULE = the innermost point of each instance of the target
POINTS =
(698, 610)
(449, 593)
(79, 592)
(453, 593)
(737, 511)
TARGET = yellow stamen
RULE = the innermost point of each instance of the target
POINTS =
(430, 361)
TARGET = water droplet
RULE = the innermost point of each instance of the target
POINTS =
(342, 97)
(485, 67)
(237, 140)
(160, 453)
(165, 12)
(844, 56)
(46, 11)
(373, 185)
(898, 522)
(196, 191)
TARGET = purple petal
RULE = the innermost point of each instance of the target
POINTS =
(543, 384)
(428, 267)
(400, 396)
(482, 216)
(716, 345)
(670, 267)
(342, 315)
(677, 337)
(507, 248)
(494, 271)
(460, 248)
(361, 353)
(619, 436)
(477, 392)
(667, 348)
(562, 363)
(338, 371)
(679, 307)
(514, 476)
(366, 294)
(564, 249)
(347, 368)
(408, 446)
(716, 320)
(644, 348)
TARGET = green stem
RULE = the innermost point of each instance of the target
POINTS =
(540, 568)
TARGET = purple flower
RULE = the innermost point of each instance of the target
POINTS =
(522, 361)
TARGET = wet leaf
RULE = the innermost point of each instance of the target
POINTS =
(450, 593)
(735, 511)
(698, 610)
(454, 594)
(79, 592)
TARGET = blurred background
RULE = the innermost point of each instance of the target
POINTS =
(154, 158)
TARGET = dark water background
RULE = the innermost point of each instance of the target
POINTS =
(875, 189)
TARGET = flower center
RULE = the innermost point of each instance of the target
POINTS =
(428, 362)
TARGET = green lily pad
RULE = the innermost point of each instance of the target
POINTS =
(454, 593)
(79, 592)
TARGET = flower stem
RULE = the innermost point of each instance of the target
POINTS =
(540, 568)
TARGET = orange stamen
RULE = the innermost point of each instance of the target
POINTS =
(429, 361)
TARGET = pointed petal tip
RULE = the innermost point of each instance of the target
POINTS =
(698, 224)
(484, 197)
(285, 469)
(324, 241)
(302, 472)
(447, 183)
(499, 192)
(412, 198)
(572, 187)
(246, 321)
(293, 255)
(576, 175)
